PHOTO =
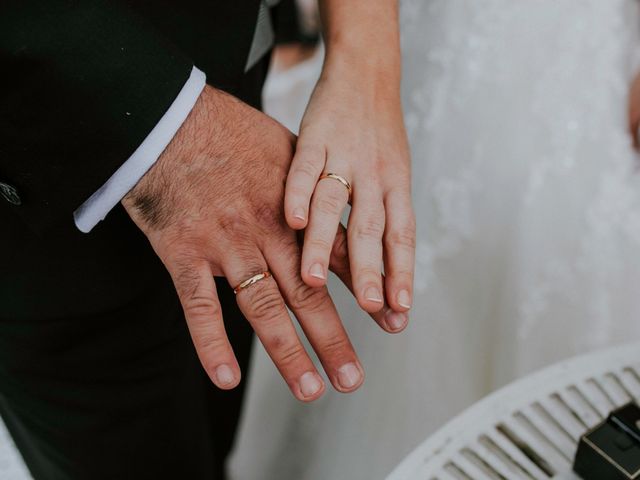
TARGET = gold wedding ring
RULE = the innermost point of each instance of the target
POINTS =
(250, 281)
(339, 178)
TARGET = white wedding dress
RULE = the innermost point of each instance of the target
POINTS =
(528, 202)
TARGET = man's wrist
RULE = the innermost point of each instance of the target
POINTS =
(96, 207)
(150, 198)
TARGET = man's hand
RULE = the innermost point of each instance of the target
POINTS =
(213, 205)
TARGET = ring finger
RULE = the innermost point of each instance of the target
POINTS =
(263, 306)
(327, 204)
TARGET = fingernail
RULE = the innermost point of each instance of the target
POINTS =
(404, 299)
(299, 213)
(224, 374)
(310, 384)
(349, 375)
(396, 320)
(373, 294)
(317, 271)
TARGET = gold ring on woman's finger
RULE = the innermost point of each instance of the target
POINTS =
(340, 178)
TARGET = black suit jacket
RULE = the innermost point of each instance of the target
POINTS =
(84, 82)
(93, 344)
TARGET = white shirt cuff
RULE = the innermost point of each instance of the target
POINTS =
(96, 207)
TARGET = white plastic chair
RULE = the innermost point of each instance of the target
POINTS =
(529, 430)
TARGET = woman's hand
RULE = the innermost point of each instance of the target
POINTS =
(353, 127)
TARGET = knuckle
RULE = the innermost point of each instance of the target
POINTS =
(289, 243)
(267, 216)
(335, 346)
(318, 244)
(329, 205)
(371, 228)
(210, 343)
(234, 230)
(229, 222)
(266, 304)
(200, 306)
(401, 274)
(368, 274)
(252, 265)
(186, 280)
(308, 298)
(289, 354)
(305, 168)
(404, 237)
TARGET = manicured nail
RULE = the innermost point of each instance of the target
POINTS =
(224, 374)
(310, 384)
(349, 376)
(317, 271)
(373, 294)
(404, 299)
(396, 320)
(299, 213)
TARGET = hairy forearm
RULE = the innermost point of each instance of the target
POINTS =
(363, 34)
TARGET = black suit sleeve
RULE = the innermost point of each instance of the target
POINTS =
(82, 83)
